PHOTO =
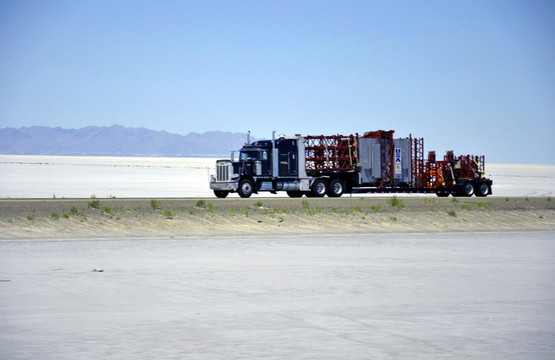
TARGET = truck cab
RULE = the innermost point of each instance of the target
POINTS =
(265, 165)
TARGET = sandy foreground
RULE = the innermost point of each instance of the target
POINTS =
(134, 218)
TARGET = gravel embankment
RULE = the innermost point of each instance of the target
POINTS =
(136, 218)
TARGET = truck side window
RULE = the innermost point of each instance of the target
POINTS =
(252, 155)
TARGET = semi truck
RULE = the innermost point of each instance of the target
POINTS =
(333, 165)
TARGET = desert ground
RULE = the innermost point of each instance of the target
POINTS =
(465, 295)
(135, 218)
(383, 277)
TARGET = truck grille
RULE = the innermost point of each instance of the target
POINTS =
(223, 171)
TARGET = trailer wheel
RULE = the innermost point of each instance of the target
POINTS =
(221, 193)
(482, 190)
(468, 189)
(245, 188)
(442, 194)
(295, 194)
(319, 188)
(336, 188)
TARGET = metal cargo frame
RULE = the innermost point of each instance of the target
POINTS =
(333, 154)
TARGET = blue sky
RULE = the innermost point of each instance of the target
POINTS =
(471, 76)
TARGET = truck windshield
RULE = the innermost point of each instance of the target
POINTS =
(249, 156)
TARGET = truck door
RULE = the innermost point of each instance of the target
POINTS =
(292, 164)
(288, 157)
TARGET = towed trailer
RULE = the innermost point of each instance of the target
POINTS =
(332, 165)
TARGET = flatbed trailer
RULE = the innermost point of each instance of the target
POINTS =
(395, 190)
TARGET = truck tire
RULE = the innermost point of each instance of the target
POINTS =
(319, 188)
(468, 189)
(245, 188)
(221, 193)
(295, 194)
(442, 194)
(482, 190)
(336, 188)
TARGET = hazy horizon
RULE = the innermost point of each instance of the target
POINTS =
(489, 157)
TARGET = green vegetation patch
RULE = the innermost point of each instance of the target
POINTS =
(108, 211)
(313, 212)
(245, 211)
(95, 204)
(156, 204)
(167, 213)
(482, 205)
(73, 211)
(270, 213)
(396, 202)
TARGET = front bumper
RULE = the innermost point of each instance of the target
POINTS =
(224, 185)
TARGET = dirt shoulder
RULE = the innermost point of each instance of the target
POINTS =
(135, 218)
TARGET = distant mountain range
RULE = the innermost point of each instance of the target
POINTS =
(116, 141)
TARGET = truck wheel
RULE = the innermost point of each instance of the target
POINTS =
(442, 194)
(468, 189)
(221, 193)
(295, 194)
(482, 190)
(319, 188)
(336, 188)
(245, 188)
